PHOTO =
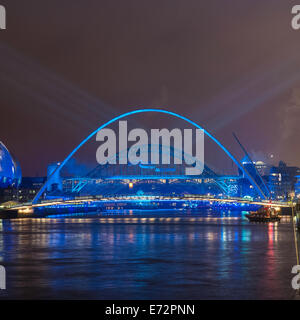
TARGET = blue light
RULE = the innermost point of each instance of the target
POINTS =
(37, 197)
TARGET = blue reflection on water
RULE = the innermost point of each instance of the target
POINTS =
(145, 256)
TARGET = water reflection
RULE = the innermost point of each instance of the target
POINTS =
(140, 257)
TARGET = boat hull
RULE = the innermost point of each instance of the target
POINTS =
(262, 219)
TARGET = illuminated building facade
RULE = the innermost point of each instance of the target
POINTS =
(283, 181)
(297, 187)
(25, 192)
(10, 171)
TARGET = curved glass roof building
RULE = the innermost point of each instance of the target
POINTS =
(10, 170)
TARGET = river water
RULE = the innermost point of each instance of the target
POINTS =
(147, 256)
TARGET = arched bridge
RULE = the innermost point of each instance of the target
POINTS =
(219, 144)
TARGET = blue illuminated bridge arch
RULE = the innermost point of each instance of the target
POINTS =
(249, 177)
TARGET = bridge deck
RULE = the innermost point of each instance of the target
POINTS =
(124, 199)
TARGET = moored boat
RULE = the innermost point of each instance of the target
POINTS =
(264, 214)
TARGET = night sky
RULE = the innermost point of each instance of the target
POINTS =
(66, 66)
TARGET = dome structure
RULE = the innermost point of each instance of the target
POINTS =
(260, 163)
(10, 170)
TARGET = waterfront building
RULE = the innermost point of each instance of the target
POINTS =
(297, 187)
(56, 181)
(25, 192)
(259, 172)
(10, 170)
(282, 181)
